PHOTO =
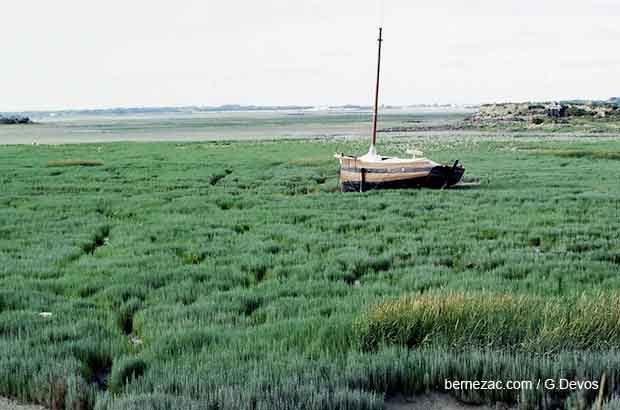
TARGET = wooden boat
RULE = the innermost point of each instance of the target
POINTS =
(372, 171)
(361, 174)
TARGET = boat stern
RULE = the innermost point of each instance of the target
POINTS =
(445, 176)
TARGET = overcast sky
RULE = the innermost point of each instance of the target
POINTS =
(95, 53)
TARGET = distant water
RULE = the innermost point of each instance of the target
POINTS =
(220, 125)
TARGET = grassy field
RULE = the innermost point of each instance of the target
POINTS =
(225, 275)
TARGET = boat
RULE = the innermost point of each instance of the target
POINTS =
(373, 171)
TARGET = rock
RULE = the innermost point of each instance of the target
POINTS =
(15, 119)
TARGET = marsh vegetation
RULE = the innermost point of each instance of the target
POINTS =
(227, 275)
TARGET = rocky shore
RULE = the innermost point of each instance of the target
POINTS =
(14, 119)
(538, 113)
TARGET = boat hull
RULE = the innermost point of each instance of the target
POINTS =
(357, 176)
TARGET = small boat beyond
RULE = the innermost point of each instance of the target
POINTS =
(372, 171)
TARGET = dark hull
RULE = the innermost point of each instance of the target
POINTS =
(439, 177)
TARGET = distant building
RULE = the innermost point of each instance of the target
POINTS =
(556, 110)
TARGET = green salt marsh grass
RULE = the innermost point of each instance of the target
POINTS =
(235, 275)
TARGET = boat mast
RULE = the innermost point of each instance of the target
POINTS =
(374, 117)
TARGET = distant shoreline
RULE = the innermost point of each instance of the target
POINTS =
(119, 111)
(328, 124)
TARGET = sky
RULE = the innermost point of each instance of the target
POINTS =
(66, 54)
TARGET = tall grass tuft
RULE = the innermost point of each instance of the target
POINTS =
(462, 320)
